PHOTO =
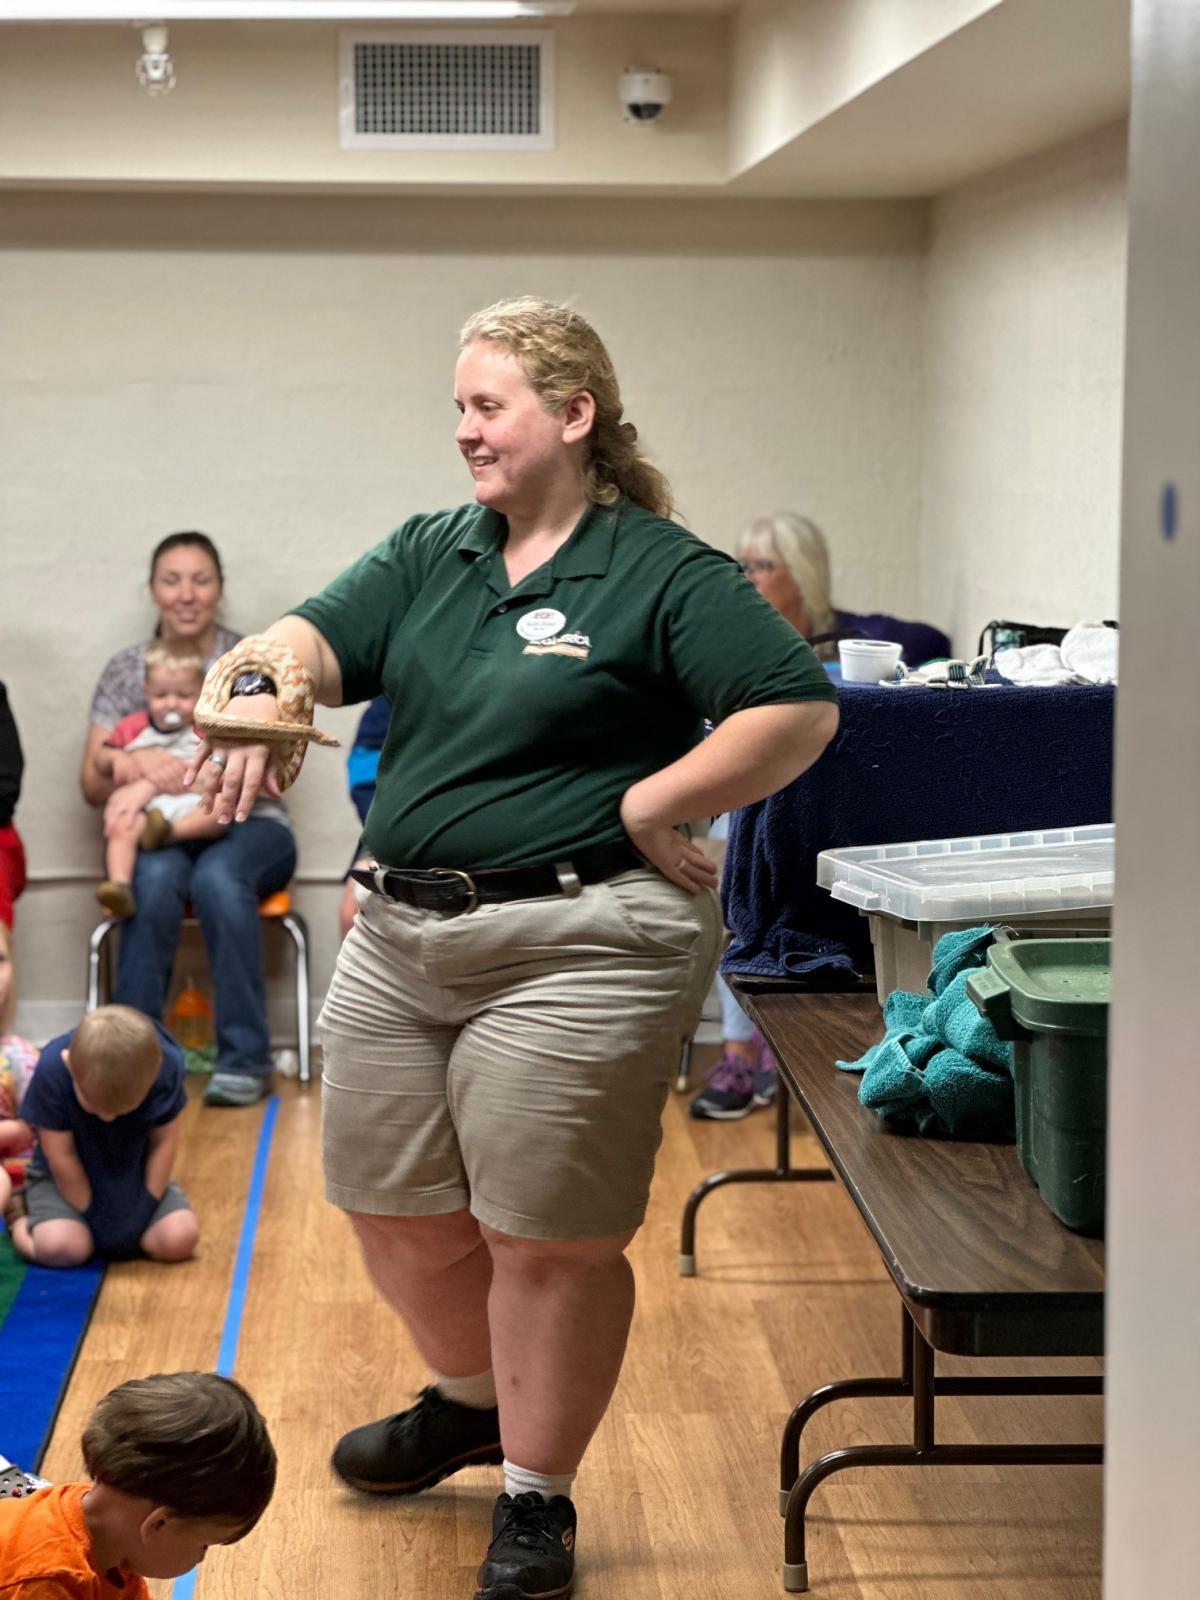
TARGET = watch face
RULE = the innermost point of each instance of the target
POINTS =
(252, 683)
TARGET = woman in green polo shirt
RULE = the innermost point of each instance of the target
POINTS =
(538, 936)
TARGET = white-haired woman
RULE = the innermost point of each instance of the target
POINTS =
(502, 1026)
(787, 560)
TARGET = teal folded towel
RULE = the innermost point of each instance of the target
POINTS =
(940, 1068)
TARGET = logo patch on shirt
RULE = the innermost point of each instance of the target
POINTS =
(578, 645)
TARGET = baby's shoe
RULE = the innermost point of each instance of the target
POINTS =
(156, 832)
(117, 898)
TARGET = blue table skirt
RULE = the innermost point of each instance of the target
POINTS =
(907, 764)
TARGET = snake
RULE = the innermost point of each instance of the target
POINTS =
(290, 736)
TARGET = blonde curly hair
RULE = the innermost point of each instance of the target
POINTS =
(563, 355)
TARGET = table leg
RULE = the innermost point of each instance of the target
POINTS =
(781, 1172)
(925, 1451)
(846, 1389)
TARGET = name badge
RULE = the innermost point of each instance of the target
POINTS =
(541, 624)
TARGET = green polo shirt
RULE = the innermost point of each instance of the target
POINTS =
(521, 715)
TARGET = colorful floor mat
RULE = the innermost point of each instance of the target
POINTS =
(43, 1318)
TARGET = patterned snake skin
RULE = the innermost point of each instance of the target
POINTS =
(291, 734)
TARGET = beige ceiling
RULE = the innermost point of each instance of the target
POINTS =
(1018, 77)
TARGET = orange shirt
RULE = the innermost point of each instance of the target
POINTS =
(44, 1547)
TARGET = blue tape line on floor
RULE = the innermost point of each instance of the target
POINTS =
(185, 1587)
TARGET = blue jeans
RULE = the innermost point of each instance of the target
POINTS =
(223, 879)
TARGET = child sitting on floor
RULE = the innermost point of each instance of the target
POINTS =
(105, 1104)
(136, 816)
(17, 1060)
(177, 1463)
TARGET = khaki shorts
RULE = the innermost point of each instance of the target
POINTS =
(514, 1059)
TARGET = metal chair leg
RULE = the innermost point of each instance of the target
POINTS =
(98, 960)
(684, 1071)
(298, 929)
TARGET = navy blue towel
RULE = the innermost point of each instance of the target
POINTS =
(907, 764)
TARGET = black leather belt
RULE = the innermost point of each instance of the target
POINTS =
(453, 891)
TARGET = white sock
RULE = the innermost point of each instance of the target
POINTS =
(478, 1391)
(519, 1480)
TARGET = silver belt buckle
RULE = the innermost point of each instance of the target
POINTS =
(568, 879)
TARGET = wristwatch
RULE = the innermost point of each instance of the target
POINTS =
(252, 683)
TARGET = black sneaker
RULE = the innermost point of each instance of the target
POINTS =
(419, 1447)
(532, 1553)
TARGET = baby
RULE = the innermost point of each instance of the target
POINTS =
(136, 817)
(177, 1463)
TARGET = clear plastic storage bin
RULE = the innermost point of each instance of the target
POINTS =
(914, 893)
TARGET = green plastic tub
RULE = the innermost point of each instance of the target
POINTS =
(1050, 997)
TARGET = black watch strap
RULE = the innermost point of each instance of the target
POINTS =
(252, 683)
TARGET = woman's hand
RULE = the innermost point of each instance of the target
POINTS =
(664, 847)
(229, 776)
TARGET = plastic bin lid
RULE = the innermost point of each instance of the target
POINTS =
(1056, 985)
(979, 878)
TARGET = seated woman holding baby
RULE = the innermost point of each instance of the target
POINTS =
(162, 855)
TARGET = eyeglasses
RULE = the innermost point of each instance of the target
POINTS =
(751, 567)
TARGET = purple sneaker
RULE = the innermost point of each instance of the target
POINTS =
(729, 1092)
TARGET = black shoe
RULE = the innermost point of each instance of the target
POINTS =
(419, 1447)
(532, 1553)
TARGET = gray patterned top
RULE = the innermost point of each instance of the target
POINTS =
(121, 687)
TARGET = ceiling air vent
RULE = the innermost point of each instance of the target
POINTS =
(487, 90)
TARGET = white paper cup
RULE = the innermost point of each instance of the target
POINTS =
(868, 660)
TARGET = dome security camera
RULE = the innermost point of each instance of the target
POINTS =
(644, 94)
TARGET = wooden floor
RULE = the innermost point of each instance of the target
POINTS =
(678, 1494)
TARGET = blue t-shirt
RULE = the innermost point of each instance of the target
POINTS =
(362, 765)
(114, 1153)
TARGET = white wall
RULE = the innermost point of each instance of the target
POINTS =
(1023, 349)
(278, 373)
(1152, 1532)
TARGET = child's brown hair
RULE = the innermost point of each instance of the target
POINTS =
(193, 1442)
(114, 1057)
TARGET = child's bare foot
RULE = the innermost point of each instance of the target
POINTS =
(157, 831)
(116, 898)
